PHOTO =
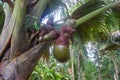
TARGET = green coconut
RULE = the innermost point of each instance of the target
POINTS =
(61, 53)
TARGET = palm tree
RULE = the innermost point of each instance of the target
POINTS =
(18, 58)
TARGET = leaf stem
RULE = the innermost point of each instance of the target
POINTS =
(95, 13)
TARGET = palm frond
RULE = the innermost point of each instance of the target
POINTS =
(53, 6)
(116, 11)
(80, 48)
(91, 29)
(116, 14)
(87, 8)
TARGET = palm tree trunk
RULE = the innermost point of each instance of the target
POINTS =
(79, 74)
(72, 62)
(83, 76)
(13, 41)
(100, 78)
(99, 69)
(116, 74)
(79, 59)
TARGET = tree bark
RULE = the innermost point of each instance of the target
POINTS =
(98, 66)
(21, 67)
(99, 69)
(72, 62)
(116, 68)
(19, 41)
(79, 62)
(79, 74)
(14, 44)
(8, 14)
(83, 76)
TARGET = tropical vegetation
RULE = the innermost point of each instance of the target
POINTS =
(59, 40)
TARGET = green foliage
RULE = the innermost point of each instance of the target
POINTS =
(33, 26)
(36, 26)
(90, 71)
(93, 27)
(116, 11)
(88, 7)
(107, 68)
(51, 71)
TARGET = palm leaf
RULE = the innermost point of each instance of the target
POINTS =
(116, 11)
(87, 8)
(53, 6)
(94, 26)
(116, 14)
